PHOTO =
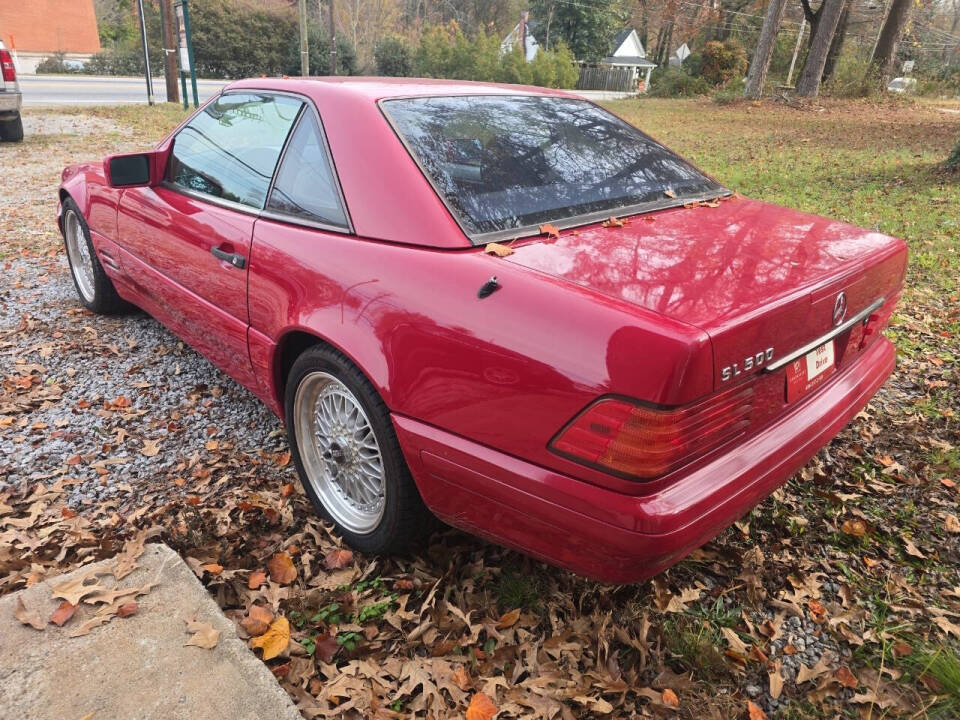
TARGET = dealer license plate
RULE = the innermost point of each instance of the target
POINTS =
(806, 373)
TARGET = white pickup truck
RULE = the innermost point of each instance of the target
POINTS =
(11, 126)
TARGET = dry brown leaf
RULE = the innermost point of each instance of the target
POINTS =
(86, 626)
(854, 526)
(736, 644)
(73, 591)
(213, 568)
(204, 634)
(845, 677)
(481, 707)
(669, 698)
(282, 570)
(338, 559)
(28, 617)
(755, 712)
(776, 682)
(63, 613)
(127, 609)
(462, 679)
(498, 249)
(257, 579)
(150, 448)
(952, 524)
(614, 222)
(549, 231)
(508, 619)
(669, 193)
(257, 621)
(806, 673)
(275, 640)
(912, 549)
(111, 596)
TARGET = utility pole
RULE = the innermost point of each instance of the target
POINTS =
(146, 55)
(333, 40)
(168, 40)
(796, 51)
(304, 50)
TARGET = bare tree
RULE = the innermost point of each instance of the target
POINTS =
(829, 15)
(836, 47)
(760, 64)
(886, 50)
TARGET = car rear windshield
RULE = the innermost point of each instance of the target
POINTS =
(508, 162)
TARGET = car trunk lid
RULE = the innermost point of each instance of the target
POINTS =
(760, 280)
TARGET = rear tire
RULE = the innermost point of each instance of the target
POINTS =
(94, 287)
(12, 130)
(348, 457)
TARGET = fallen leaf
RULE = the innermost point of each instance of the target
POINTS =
(845, 677)
(204, 634)
(127, 609)
(613, 222)
(854, 526)
(282, 570)
(257, 579)
(508, 619)
(462, 679)
(28, 617)
(776, 682)
(338, 559)
(755, 712)
(669, 193)
(63, 613)
(912, 549)
(481, 707)
(213, 568)
(327, 646)
(73, 591)
(669, 698)
(257, 621)
(150, 448)
(952, 524)
(275, 640)
(498, 249)
(549, 231)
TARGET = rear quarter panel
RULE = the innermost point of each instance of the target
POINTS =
(507, 371)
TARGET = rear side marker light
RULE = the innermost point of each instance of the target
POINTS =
(626, 438)
(877, 322)
(6, 64)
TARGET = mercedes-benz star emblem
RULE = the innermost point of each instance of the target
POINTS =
(839, 308)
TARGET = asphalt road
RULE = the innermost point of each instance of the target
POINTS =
(97, 90)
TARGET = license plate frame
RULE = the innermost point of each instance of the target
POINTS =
(810, 371)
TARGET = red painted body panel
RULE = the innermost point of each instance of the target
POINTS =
(479, 387)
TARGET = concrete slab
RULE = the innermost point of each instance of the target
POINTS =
(135, 667)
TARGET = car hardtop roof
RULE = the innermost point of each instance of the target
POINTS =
(385, 88)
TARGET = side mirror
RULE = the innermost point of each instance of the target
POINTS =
(133, 169)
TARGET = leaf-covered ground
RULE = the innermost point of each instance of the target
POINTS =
(837, 597)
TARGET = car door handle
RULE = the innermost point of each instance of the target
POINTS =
(235, 259)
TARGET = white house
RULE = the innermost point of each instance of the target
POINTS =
(524, 29)
(628, 51)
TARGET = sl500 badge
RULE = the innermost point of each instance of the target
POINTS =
(751, 362)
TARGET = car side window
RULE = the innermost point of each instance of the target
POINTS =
(306, 186)
(229, 150)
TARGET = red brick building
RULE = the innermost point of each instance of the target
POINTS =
(39, 28)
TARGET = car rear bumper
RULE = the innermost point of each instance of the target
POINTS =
(10, 103)
(621, 538)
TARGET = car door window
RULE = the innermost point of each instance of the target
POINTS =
(306, 185)
(229, 150)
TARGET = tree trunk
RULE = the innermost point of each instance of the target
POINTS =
(813, 18)
(886, 51)
(760, 64)
(836, 47)
(809, 83)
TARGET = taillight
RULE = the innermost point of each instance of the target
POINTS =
(6, 62)
(877, 321)
(626, 438)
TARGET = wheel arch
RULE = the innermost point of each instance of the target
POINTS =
(294, 343)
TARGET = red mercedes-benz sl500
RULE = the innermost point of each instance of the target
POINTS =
(647, 358)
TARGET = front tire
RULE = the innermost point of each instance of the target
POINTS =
(12, 130)
(348, 457)
(94, 287)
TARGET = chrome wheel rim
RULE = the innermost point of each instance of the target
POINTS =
(340, 452)
(78, 250)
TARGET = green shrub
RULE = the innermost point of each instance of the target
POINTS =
(567, 71)
(953, 162)
(514, 68)
(852, 78)
(393, 57)
(56, 64)
(722, 62)
(730, 93)
(673, 82)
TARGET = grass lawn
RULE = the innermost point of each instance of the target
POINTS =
(837, 597)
